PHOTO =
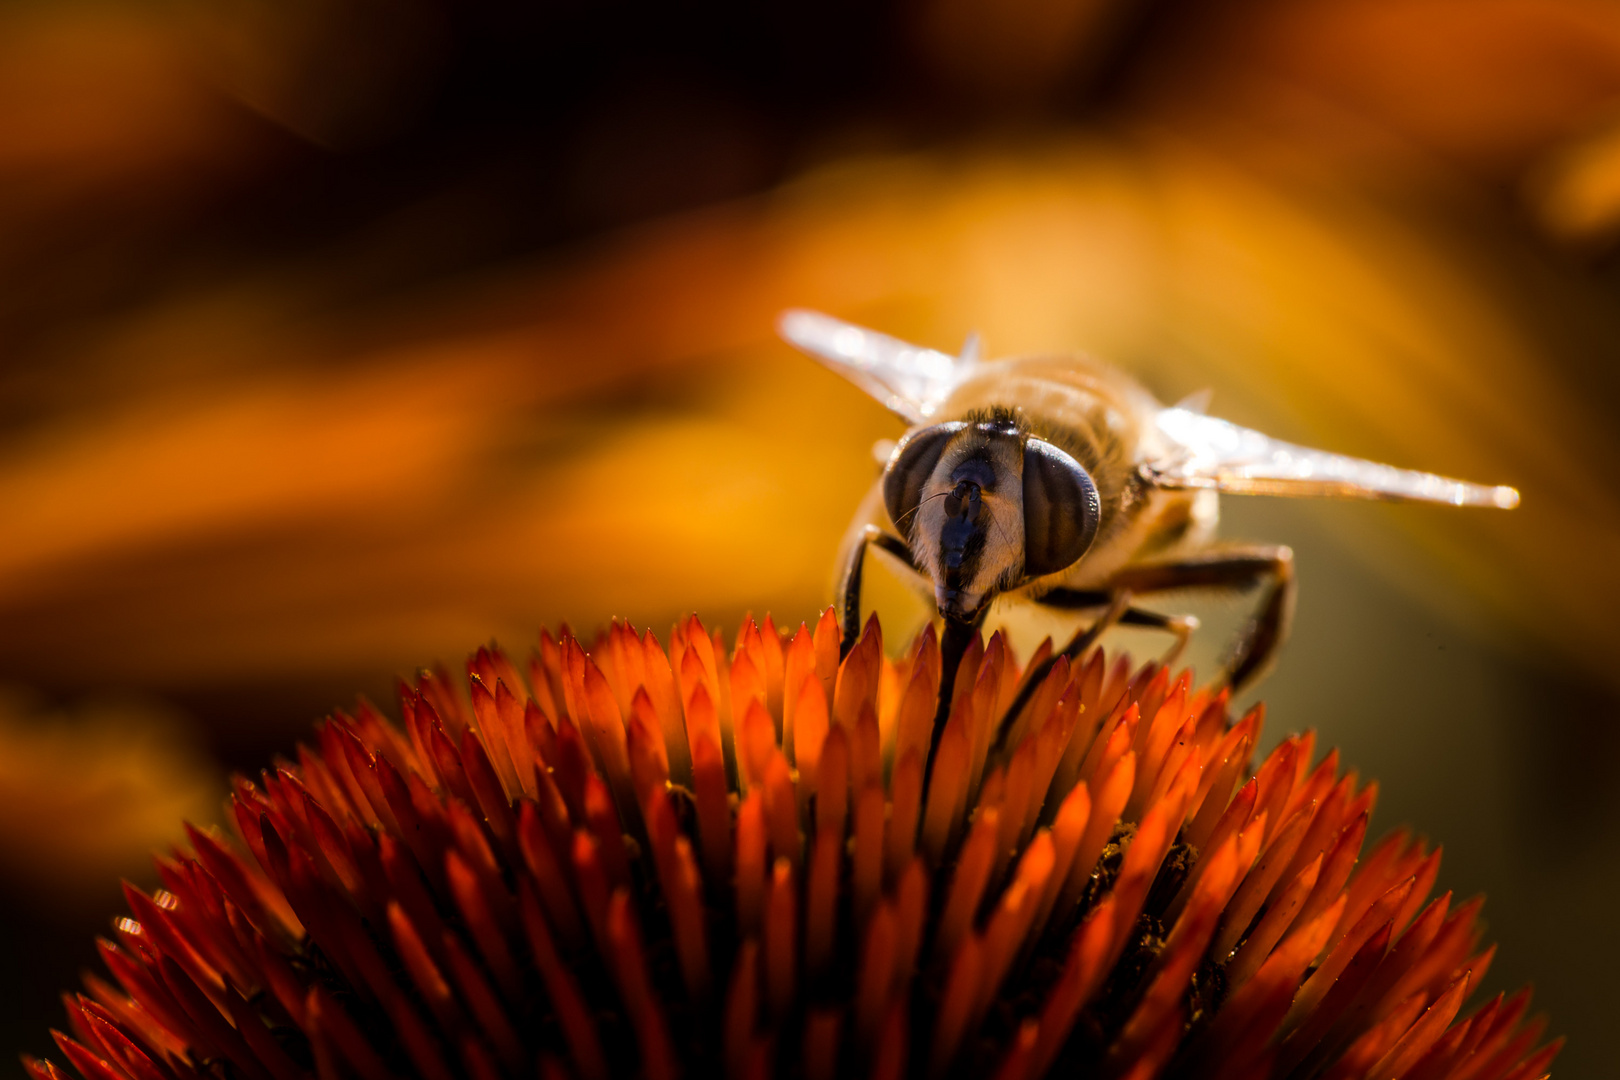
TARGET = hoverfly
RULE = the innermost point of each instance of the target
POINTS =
(1064, 481)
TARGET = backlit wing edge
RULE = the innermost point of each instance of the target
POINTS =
(1213, 453)
(909, 380)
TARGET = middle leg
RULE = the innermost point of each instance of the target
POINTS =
(1232, 567)
(1182, 626)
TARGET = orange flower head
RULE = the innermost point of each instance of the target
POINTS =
(640, 861)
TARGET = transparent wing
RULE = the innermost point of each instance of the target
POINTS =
(1212, 453)
(907, 379)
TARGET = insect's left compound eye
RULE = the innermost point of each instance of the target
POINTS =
(1061, 509)
(908, 470)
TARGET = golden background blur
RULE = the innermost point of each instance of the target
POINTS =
(338, 337)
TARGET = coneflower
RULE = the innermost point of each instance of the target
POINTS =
(640, 861)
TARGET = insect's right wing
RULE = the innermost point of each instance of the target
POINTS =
(907, 379)
(1213, 453)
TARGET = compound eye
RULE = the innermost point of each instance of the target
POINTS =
(908, 471)
(1061, 509)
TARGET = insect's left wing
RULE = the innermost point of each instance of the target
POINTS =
(1212, 453)
(908, 379)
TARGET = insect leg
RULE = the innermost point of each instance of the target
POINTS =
(1075, 599)
(898, 552)
(849, 590)
(1119, 611)
(1235, 567)
(1181, 626)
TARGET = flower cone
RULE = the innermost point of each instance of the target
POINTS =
(638, 861)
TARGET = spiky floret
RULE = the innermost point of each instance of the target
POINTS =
(640, 861)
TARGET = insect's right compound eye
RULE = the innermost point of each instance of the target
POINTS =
(909, 469)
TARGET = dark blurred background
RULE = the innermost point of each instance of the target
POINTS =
(338, 336)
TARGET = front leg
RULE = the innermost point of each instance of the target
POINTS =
(849, 584)
(957, 634)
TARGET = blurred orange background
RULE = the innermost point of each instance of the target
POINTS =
(337, 338)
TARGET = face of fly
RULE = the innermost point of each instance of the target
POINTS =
(984, 507)
(969, 531)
